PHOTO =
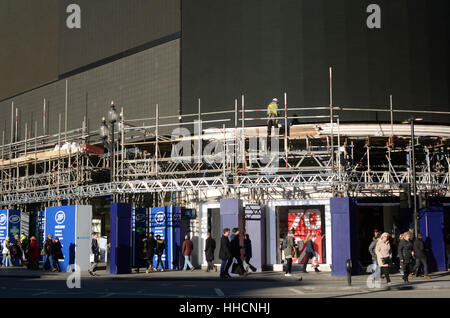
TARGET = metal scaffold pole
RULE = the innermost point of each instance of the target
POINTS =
(286, 129)
(332, 122)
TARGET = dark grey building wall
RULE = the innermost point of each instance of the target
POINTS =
(137, 83)
(37, 47)
(28, 44)
(263, 48)
(109, 27)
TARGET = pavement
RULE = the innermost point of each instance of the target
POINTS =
(201, 284)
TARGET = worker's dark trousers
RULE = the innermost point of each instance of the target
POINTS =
(273, 122)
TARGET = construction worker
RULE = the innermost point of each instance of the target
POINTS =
(272, 113)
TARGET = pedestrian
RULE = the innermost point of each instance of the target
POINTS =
(288, 246)
(32, 253)
(376, 232)
(94, 255)
(6, 253)
(400, 239)
(405, 254)
(310, 253)
(282, 237)
(16, 251)
(236, 251)
(48, 255)
(372, 252)
(24, 242)
(384, 255)
(151, 245)
(160, 246)
(57, 253)
(420, 254)
(225, 254)
(210, 247)
(248, 253)
(186, 250)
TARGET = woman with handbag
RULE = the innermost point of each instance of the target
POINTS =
(384, 255)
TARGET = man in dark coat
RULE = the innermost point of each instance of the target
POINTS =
(160, 246)
(236, 250)
(405, 254)
(57, 253)
(248, 253)
(210, 247)
(421, 256)
(225, 254)
(95, 252)
(151, 245)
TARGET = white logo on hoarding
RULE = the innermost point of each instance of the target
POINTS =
(60, 217)
(14, 219)
(2, 219)
(160, 217)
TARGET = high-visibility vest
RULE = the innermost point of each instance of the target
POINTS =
(272, 110)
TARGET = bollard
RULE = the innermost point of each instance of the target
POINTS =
(348, 265)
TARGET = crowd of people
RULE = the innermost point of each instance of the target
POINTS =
(290, 250)
(230, 250)
(23, 252)
(406, 253)
(231, 256)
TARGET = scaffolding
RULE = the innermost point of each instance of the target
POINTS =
(320, 158)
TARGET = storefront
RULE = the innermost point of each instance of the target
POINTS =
(306, 218)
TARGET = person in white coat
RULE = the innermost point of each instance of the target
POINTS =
(6, 253)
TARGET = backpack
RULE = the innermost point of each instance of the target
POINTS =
(284, 244)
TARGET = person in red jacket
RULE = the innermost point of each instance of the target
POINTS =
(187, 249)
(33, 254)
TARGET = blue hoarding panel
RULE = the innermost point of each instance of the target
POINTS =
(14, 222)
(432, 228)
(120, 238)
(61, 223)
(158, 225)
(344, 235)
(9, 224)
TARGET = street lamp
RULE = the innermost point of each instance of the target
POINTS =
(103, 129)
(412, 164)
(112, 119)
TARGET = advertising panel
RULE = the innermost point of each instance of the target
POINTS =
(72, 225)
(10, 221)
(309, 220)
(3, 225)
(158, 225)
(60, 222)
